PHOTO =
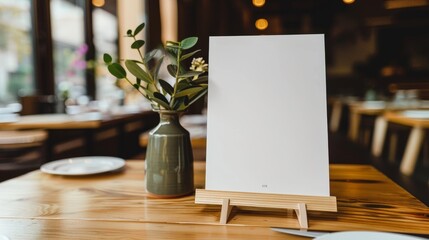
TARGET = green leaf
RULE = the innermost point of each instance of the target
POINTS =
(129, 33)
(137, 44)
(148, 56)
(172, 69)
(201, 80)
(137, 71)
(136, 86)
(117, 70)
(183, 85)
(138, 29)
(172, 44)
(189, 74)
(148, 92)
(198, 96)
(161, 100)
(180, 102)
(188, 55)
(166, 86)
(107, 58)
(188, 42)
(172, 53)
(188, 92)
(155, 69)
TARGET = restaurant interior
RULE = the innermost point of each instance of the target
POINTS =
(58, 99)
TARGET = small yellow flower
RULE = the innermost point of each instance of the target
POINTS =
(199, 65)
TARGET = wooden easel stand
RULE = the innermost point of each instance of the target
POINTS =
(299, 203)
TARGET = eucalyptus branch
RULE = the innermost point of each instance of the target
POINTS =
(138, 89)
(179, 52)
(141, 55)
(146, 66)
(159, 92)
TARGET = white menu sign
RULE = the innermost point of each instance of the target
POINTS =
(267, 121)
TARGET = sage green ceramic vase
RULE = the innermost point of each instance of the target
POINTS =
(169, 158)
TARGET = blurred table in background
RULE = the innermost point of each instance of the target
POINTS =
(370, 110)
(417, 120)
(337, 106)
(359, 110)
(88, 133)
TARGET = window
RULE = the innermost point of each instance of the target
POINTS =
(16, 51)
(69, 48)
(105, 27)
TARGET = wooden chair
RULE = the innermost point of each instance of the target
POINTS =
(21, 152)
(37, 104)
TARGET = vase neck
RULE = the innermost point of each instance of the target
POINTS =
(169, 117)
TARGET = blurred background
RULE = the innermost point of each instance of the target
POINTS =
(52, 48)
(377, 64)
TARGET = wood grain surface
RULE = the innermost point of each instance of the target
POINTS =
(81, 230)
(367, 200)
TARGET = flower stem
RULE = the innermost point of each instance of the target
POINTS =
(146, 67)
(142, 93)
(179, 52)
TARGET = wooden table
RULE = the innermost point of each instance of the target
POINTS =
(415, 140)
(116, 205)
(65, 121)
(81, 135)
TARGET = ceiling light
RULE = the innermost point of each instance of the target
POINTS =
(348, 1)
(98, 3)
(261, 24)
(258, 3)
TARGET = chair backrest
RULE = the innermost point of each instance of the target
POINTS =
(37, 104)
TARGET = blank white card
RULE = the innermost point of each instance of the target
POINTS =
(266, 120)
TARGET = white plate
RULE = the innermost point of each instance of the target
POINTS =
(367, 235)
(83, 165)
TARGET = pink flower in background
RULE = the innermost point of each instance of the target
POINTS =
(79, 64)
(78, 61)
(82, 50)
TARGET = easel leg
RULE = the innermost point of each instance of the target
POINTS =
(225, 211)
(301, 213)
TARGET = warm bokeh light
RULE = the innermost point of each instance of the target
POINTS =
(348, 1)
(98, 3)
(261, 24)
(258, 3)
